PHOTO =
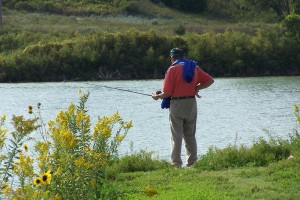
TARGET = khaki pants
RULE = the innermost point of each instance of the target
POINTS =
(183, 117)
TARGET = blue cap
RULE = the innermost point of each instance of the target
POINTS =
(177, 52)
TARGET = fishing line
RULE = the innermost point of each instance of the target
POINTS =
(124, 90)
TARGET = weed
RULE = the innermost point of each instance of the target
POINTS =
(70, 161)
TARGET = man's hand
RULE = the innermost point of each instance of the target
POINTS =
(155, 96)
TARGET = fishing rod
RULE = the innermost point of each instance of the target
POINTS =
(115, 88)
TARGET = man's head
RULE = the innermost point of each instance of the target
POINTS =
(176, 53)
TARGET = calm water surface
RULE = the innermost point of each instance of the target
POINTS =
(231, 111)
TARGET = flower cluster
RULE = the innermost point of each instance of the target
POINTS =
(296, 112)
(76, 154)
(44, 179)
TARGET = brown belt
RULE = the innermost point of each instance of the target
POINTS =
(184, 97)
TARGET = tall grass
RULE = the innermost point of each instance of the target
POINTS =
(261, 153)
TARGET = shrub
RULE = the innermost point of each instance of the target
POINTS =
(68, 162)
(140, 161)
(292, 24)
(180, 30)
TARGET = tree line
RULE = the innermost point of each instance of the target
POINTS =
(144, 55)
(231, 8)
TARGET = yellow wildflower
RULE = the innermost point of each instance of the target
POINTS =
(97, 155)
(79, 161)
(57, 197)
(127, 125)
(24, 165)
(50, 123)
(69, 139)
(62, 119)
(296, 109)
(58, 171)
(30, 109)
(71, 109)
(41, 164)
(119, 138)
(116, 117)
(150, 191)
(35, 194)
(93, 182)
(46, 178)
(6, 189)
(79, 118)
(3, 117)
(106, 132)
(25, 147)
(2, 136)
(37, 181)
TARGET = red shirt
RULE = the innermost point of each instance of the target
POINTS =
(176, 86)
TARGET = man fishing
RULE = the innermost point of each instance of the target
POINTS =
(182, 83)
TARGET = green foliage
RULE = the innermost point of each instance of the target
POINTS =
(292, 24)
(74, 7)
(222, 8)
(180, 30)
(140, 161)
(261, 153)
(278, 6)
(195, 6)
(70, 160)
(139, 55)
(296, 7)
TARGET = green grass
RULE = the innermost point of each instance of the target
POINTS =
(277, 181)
(161, 23)
(270, 169)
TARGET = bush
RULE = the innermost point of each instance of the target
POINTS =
(68, 162)
(292, 24)
(180, 30)
(140, 161)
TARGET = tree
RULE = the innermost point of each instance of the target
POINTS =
(295, 7)
(292, 24)
(279, 6)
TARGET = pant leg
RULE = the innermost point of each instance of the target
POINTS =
(189, 130)
(189, 135)
(176, 126)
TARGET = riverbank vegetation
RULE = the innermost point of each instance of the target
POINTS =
(99, 40)
(66, 158)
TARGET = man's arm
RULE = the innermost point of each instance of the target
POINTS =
(201, 86)
(161, 95)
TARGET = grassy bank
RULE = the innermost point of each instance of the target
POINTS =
(277, 181)
(269, 169)
(271, 180)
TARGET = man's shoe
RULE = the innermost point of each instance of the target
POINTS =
(177, 165)
(189, 166)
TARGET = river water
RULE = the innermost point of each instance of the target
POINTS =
(232, 111)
